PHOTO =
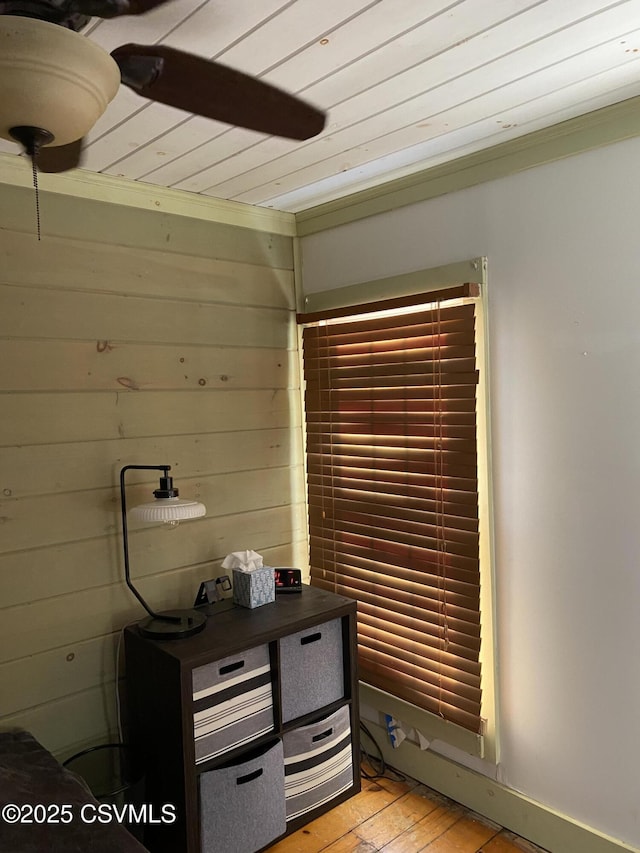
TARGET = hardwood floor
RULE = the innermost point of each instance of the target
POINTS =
(390, 816)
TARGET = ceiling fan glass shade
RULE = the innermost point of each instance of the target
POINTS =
(168, 510)
(52, 78)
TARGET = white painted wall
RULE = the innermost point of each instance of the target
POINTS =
(563, 243)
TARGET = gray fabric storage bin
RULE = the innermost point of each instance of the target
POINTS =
(232, 702)
(242, 806)
(311, 669)
(318, 763)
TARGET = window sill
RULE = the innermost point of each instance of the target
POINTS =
(429, 726)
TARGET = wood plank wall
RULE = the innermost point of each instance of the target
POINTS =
(131, 337)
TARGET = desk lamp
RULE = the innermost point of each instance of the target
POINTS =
(169, 509)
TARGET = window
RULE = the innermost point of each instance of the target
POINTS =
(391, 420)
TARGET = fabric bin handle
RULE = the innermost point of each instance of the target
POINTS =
(242, 780)
(322, 736)
(231, 667)
(311, 638)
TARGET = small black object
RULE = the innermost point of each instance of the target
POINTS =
(173, 625)
(31, 138)
(210, 591)
(288, 580)
(242, 780)
(231, 667)
(311, 638)
(166, 489)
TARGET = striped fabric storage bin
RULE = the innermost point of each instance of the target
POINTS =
(318, 763)
(232, 702)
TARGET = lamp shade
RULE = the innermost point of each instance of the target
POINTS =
(52, 78)
(168, 510)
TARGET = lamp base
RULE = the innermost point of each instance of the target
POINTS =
(191, 622)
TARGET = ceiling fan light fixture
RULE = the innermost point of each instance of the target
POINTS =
(52, 78)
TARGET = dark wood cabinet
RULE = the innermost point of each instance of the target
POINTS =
(249, 728)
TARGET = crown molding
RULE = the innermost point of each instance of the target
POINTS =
(16, 171)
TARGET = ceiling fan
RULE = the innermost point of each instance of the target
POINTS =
(55, 83)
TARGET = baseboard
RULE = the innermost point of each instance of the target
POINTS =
(548, 829)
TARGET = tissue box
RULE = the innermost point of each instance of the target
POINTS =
(252, 589)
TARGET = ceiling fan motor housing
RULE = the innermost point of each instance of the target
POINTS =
(52, 78)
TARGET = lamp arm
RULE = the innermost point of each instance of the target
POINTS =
(125, 537)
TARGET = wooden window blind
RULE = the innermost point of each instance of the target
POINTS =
(390, 403)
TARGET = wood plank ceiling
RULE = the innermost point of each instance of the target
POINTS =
(406, 83)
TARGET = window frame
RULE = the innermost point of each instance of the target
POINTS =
(484, 745)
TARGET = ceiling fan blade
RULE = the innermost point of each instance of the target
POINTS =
(112, 8)
(215, 91)
(59, 158)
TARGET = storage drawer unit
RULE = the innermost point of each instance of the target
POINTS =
(254, 684)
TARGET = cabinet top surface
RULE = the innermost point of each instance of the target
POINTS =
(231, 627)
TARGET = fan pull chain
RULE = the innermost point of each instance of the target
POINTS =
(32, 139)
(35, 185)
